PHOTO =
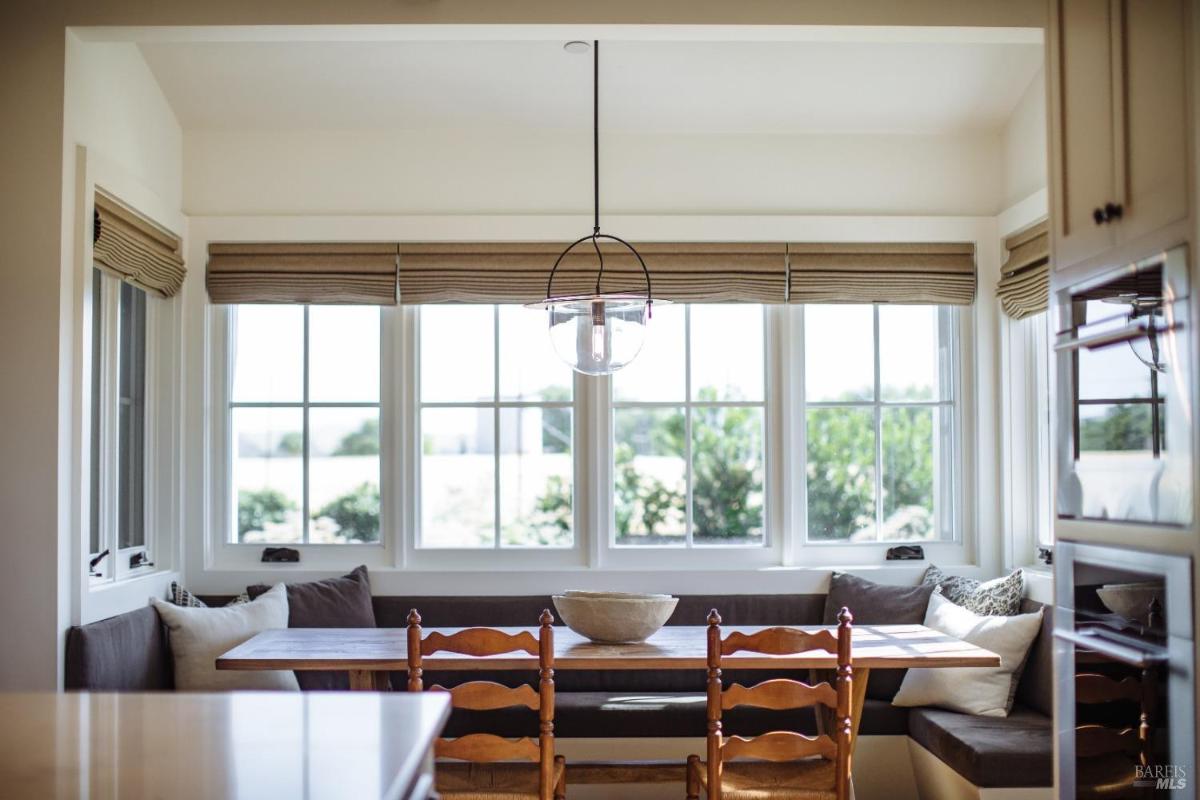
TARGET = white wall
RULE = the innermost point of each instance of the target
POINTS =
(516, 172)
(113, 107)
(1023, 145)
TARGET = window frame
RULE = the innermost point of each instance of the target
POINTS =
(688, 405)
(155, 475)
(222, 551)
(784, 487)
(1028, 408)
(947, 471)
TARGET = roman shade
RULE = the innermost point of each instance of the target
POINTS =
(1024, 288)
(280, 272)
(517, 272)
(916, 273)
(136, 249)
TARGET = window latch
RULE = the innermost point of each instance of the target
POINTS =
(95, 562)
(140, 559)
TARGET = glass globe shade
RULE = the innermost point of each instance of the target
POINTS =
(598, 335)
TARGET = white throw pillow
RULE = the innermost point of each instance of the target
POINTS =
(985, 691)
(200, 635)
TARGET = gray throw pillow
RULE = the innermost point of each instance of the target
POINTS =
(877, 604)
(343, 602)
(1000, 597)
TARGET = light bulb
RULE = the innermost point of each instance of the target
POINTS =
(598, 337)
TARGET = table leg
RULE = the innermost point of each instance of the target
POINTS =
(362, 680)
(857, 695)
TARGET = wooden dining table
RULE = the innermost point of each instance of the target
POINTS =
(369, 654)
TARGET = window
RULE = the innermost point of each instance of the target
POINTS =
(304, 422)
(1026, 386)
(496, 433)
(118, 479)
(688, 417)
(880, 421)
(499, 451)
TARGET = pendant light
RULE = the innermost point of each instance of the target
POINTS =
(600, 332)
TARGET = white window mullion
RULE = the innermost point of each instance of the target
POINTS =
(305, 438)
(496, 425)
(687, 427)
(878, 407)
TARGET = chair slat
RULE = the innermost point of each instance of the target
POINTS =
(778, 746)
(479, 642)
(489, 695)
(779, 641)
(1093, 688)
(1097, 740)
(487, 747)
(779, 694)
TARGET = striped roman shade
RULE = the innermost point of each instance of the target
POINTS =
(135, 249)
(516, 272)
(1024, 288)
(280, 272)
(914, 273)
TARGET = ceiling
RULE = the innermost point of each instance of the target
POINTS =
(767, 87)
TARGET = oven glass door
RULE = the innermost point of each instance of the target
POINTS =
(1124, 397)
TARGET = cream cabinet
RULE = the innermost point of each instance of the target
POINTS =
(1118, 124)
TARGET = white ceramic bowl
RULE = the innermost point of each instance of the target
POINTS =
(614, 617)
(1131, 600)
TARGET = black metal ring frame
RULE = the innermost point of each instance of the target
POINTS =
(594, 239)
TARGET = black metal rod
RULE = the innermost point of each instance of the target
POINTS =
(596, 135)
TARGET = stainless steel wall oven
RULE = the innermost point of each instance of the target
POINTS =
(1124, 662)
(1124, 412)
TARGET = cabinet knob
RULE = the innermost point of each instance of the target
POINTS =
(1099, 216)
(1113, 211)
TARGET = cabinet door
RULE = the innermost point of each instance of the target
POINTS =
(1082, 130)
(1153, 188)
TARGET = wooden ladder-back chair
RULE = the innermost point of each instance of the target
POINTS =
(500, 781)
(789, 765)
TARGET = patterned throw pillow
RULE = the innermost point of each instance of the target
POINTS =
(1000, 597)
(180, 596)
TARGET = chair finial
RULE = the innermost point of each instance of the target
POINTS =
(546, 618)
(714, 618)
(844, 616)
(414, 618)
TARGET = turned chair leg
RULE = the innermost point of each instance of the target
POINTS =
(693, 779)
(560, 789)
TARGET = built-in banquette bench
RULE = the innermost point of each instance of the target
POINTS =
(130, 652)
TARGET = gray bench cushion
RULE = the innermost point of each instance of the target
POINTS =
(662, 714)
(990, 752)
(128, 652)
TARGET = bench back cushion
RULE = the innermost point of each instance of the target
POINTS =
(1035, 689)
(128, 652)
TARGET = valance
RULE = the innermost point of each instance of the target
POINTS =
(517, 272)
(281, 272)
(136, 249)
(1024, 287)
(908, 272)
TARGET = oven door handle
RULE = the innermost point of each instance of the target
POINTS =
(1117, 652)
(1127, 334)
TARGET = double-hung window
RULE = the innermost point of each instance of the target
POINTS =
(688, 451)
(117, 530)
(880, 421)
(452, 434)
(304, 424)
(495, 425)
